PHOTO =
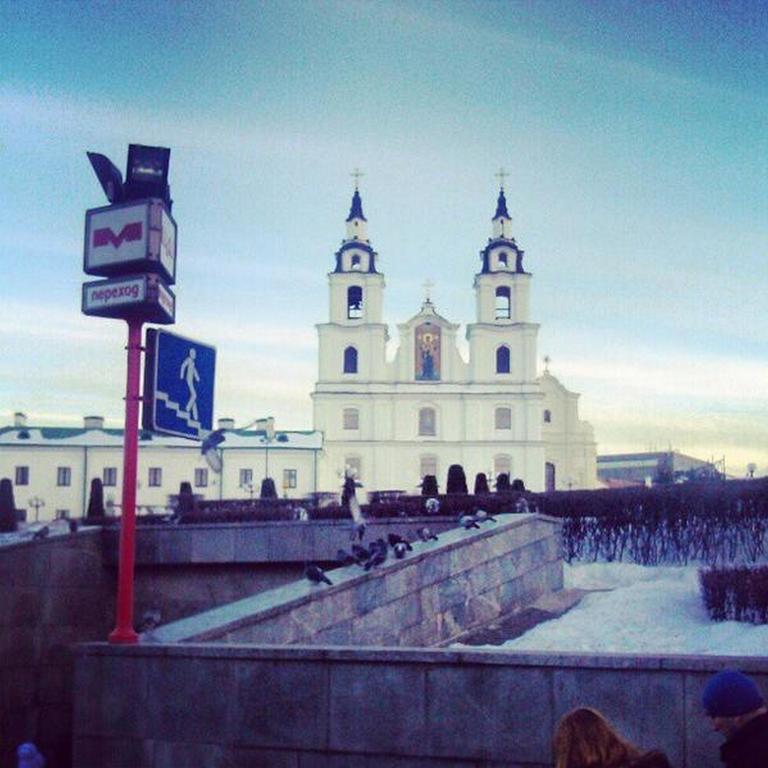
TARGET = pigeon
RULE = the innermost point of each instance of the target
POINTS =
(73, 526)
(467, 522)
(150, 621)
(41, 533)
(316, 574)
(343, 557)
(360, 553)
(301, 514)
(481, 516)
(378, 554)
(394, 539)
(426, 535)
(349, 499)
(521, 505)
(401, 547)
(432, 506)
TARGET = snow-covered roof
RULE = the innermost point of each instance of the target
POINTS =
(80, 437)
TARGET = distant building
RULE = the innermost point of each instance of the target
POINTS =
(626, 469)
(55, 465)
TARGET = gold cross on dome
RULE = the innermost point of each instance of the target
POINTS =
(502, 174)
(426, 285)
(356, 174)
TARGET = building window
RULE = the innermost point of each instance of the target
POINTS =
(549, 477)
(201, 478)
(503, 418)
(355, 261)
(109, 476)
(246, 477)
(21, 476)
(351, 418)
(63, 476)
(350, 360)
(547, 416)
(502, 360)
(354, 302)
(155, 477)
(61, 514)
(428, 466)
(427, 422)
(503, 303)
(503, 260)
(502, 465)
(290, 478)
(354, 465)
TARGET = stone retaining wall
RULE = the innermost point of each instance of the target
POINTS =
(435, 594)
(292, 707)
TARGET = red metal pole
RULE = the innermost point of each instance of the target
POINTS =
(123, 631)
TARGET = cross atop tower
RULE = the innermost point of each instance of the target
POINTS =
(426, 285)
(356, 174)
(501, 175)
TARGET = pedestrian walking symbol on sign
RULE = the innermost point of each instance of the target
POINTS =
(178, 385)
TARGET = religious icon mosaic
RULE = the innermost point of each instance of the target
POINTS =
(427, 352)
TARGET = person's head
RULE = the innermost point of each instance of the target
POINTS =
(731, 699)
(585, 739)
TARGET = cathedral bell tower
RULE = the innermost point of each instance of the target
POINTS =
(352, 342)
(503, 340)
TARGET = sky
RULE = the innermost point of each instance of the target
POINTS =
(634, 135)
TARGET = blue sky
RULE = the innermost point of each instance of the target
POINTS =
(634, 134)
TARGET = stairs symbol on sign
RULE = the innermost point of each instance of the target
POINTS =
(176, 408)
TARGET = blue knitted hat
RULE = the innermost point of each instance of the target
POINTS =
(730, 693)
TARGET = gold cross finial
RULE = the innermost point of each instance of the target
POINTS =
(356, 174)
(502, 174)
(426, 285)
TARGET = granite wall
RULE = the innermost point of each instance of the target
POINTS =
(438, 592)
(173, 706)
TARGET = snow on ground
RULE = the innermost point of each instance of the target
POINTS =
(647, 610)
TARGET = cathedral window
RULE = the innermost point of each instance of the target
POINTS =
(503, 260)
(350, 360)
(503, 303)
(503, 418)
(502, 360)
(354, 302)
(351, 418)
(428, 466)
(502, 465)
(547, 417)
(355, 264)
(427, 422)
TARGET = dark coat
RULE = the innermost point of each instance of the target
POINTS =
(748, 747)
(653, 759)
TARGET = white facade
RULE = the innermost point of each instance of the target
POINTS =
(395, 421)
(56, 466)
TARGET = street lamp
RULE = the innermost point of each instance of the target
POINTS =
(36, 502)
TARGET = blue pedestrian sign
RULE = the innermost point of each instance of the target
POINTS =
(178, 385)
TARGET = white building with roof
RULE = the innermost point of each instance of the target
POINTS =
(395, 420)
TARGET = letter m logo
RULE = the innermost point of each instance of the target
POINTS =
(128, 233)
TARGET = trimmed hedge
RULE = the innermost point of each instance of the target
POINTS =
(737, 594)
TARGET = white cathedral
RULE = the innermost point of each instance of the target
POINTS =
(391, 421)
(394, 421)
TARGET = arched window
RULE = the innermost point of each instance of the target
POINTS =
(350, 360)
(503, 418)
(502, 360)
(503, 262)
(549, 476)
(502, 465)
(354, 302)
(503, 303)
(427, 466)
(427, 422)
(351, 418)
(355, 261)
(547, 416)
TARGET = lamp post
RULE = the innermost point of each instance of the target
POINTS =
(36, 502)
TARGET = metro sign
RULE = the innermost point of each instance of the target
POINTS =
(137, 236)
(134, 296)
